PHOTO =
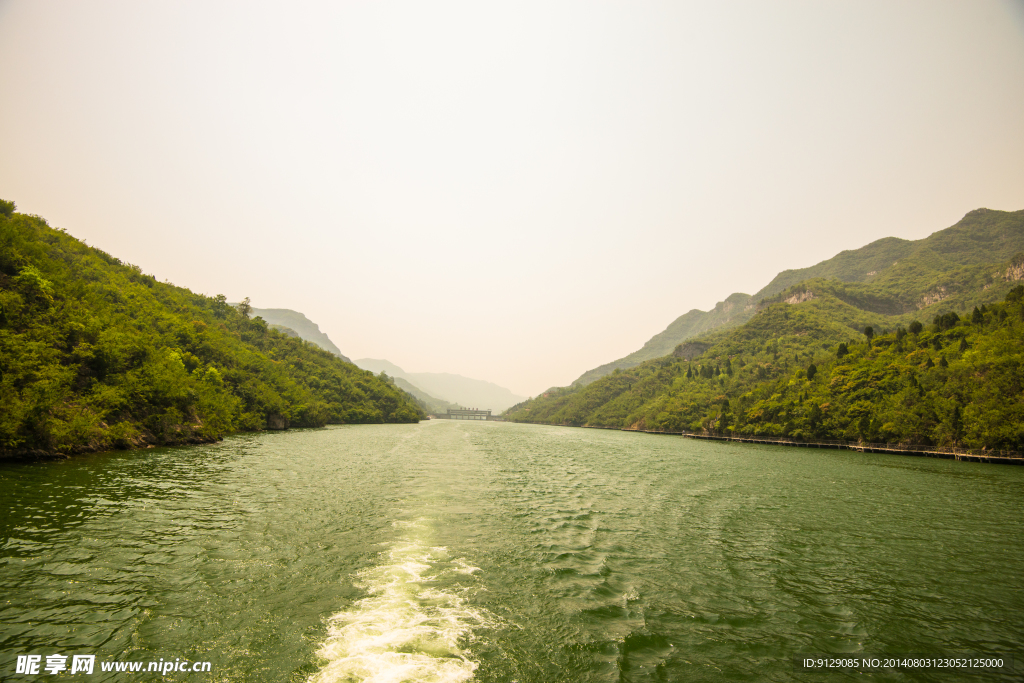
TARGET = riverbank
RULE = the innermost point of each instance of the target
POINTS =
(137, 445)
(942, 452)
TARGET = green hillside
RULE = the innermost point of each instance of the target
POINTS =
(983, 236)
(956, 381)
(802, 366)
(736, 309)
(907, 275)
(94, 354)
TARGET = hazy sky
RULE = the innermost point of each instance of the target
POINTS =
(515, 192)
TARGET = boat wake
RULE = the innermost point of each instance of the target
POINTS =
(414, 624)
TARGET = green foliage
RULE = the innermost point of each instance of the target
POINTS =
(244, 308)
(95, 354)
(981, 237)
(803, 371)
(883, 283)
(959, 383)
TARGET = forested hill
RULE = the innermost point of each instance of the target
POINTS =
(912, 273)
(791, 372)
(736, 309)
(95, 354)
(929, 350)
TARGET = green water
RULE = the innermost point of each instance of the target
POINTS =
(451, 551)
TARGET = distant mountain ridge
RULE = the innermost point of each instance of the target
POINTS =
(295, 324)
(303, 327)
(918, 271)
(737, 308)
(454, 389)
(431, 403)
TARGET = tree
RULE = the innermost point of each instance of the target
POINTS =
(7, 208)
(812, 370)
(869, 332)
(34, 286)
(947, 321)
(956, 423)
(245, 308)
(841, 350)
(915, 327)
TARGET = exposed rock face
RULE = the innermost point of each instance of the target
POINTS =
(276, 421)
(1015, 272)
(800, 297)
(690, 349)
(933, 297)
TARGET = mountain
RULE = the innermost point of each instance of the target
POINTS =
(916, 273)
(293, 323)
(455, 389)
(833, 352)
(95, 354)
(429, 403)
(958, 381)
(400, 378)
(736, 309)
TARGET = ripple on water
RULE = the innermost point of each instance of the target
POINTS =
(413, 625)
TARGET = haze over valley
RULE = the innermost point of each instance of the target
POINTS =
(454, 390)
(519, 193)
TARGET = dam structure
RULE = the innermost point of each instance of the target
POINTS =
(467, 414)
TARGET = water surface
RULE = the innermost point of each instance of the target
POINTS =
(454, 551)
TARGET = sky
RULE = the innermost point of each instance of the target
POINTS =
(516, 192)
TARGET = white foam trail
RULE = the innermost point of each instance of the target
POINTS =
(405, 630)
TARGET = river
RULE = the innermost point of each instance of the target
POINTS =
(455, 551)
